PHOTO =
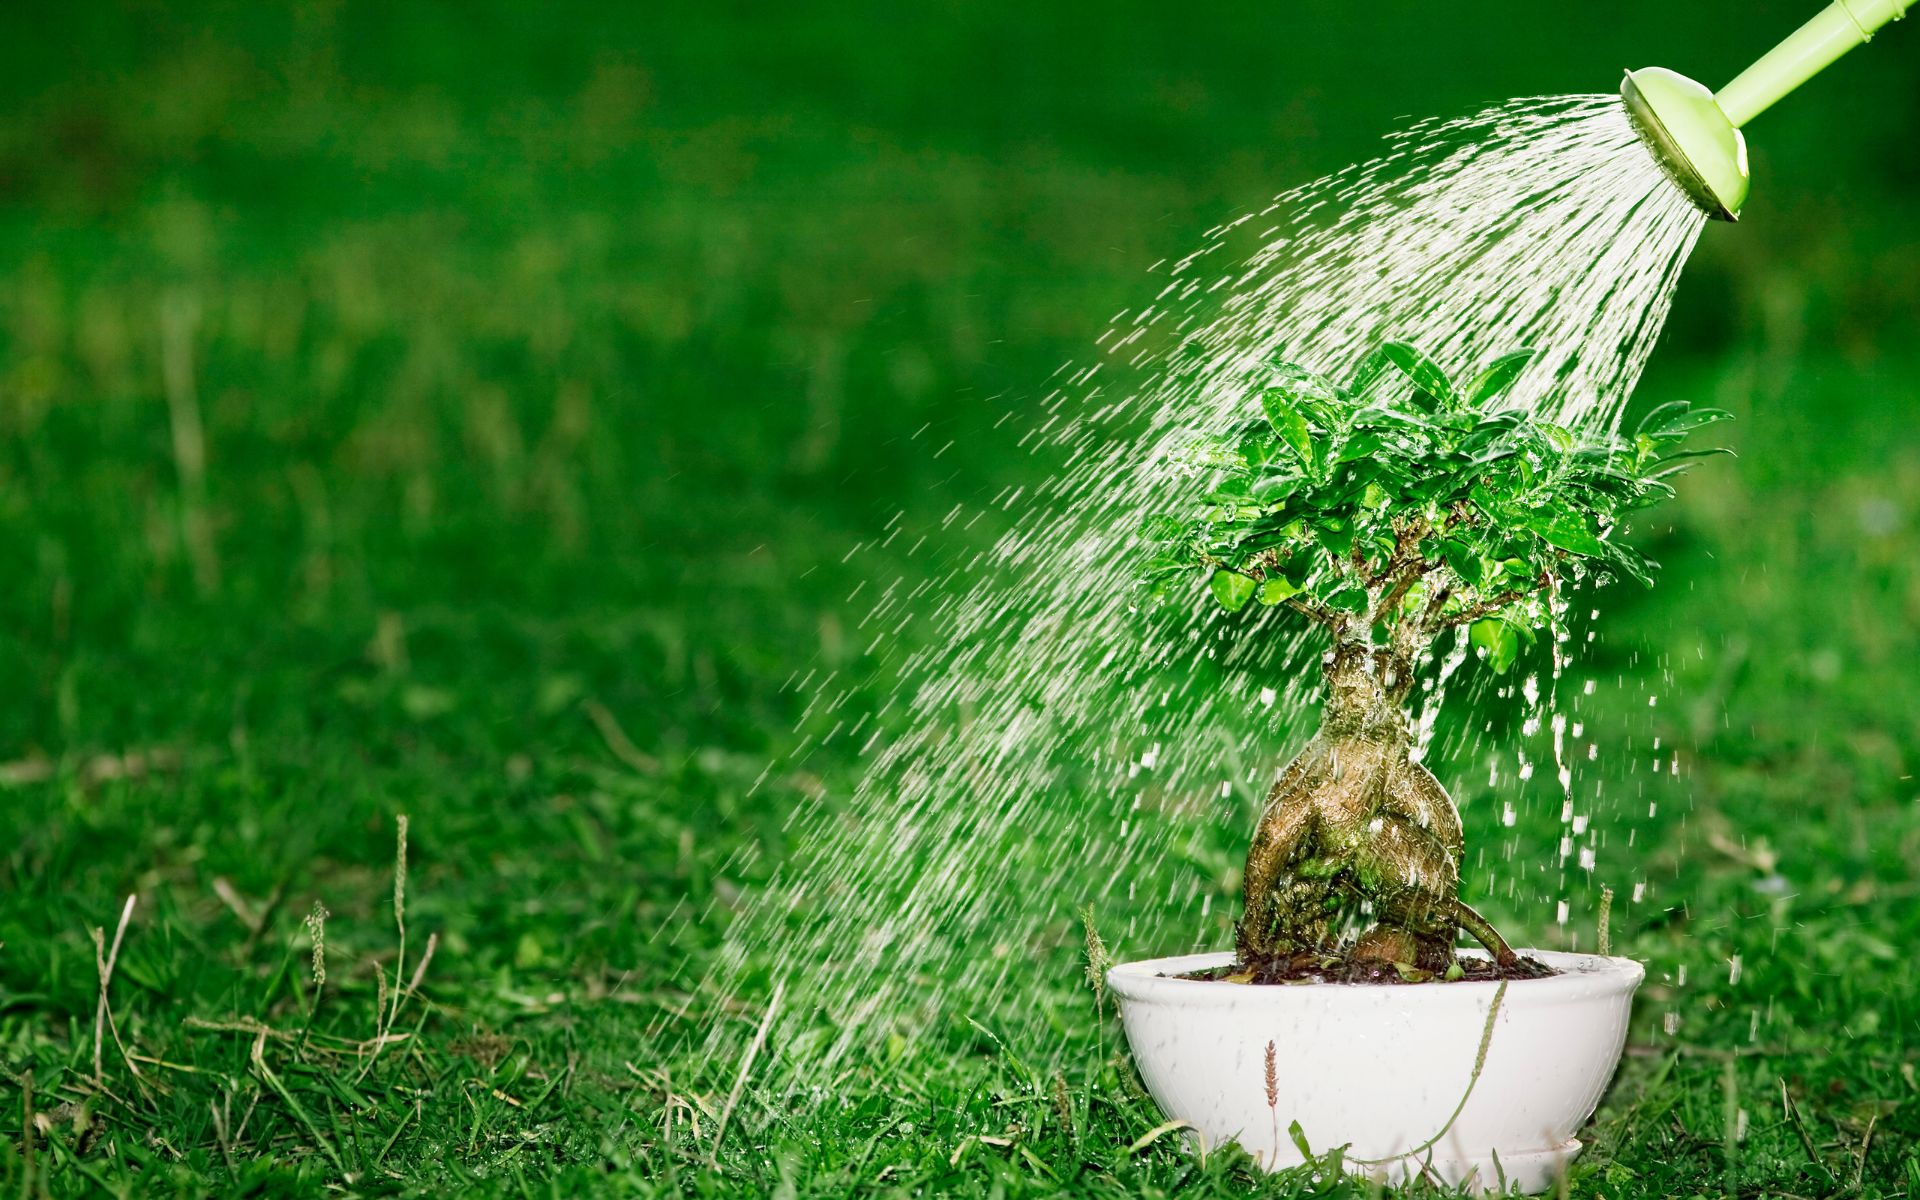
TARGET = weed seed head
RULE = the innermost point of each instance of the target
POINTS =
(317, 934)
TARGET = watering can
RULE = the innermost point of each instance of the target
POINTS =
(1695, 132)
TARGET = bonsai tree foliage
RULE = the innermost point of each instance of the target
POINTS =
(1389, 512)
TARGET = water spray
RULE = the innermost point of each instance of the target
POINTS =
(1695, 132)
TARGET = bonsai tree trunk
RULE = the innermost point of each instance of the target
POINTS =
(1353, 818)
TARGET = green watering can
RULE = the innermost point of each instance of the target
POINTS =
(1695, 132)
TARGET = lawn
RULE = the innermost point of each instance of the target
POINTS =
(470, 419)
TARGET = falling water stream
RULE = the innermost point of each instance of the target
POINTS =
(1058, 747)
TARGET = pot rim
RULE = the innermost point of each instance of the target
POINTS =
(1582, 977)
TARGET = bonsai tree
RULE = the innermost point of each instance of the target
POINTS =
(1388, 513)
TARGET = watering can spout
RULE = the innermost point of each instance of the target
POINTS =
(1695, 133)
(1700, 149)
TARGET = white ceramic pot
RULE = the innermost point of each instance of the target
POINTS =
(1381, 1069)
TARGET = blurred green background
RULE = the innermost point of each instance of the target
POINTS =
(468, 411)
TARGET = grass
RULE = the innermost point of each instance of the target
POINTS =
(382, 435)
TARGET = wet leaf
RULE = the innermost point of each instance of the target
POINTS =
(1464, 561)
(1361, 444)
(1351, 599)
(1335, 534)
(1231, 589)
(1300, 386)
(1677, 418)
(1425, 373)
(1371, 368)
(1500, 642)
(1276, 588)
(1292, 428)
(1567, 529)
(1498, 376)
(1273, 489)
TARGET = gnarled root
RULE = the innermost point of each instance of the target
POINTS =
(1283, 915)
(1350, 820)
(1484, 933)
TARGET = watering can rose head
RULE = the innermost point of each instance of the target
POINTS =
(1389, 512)
(1406, 504)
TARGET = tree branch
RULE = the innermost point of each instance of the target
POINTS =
(1489, 607)
(1404, 569)
(1313, 610)
(1410, 573)
(1360, 567)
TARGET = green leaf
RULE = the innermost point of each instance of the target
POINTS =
(1361, 443)
(1232, 489)
(1402, 432)
(1292, 428)
(1677, 418)
(1371, 367)
(1494, 424)
(1258, 448)
(1162, 528)
(1352, 598)
(1274, 489)
(1302, 387)
(1464, 561)
(1500, 642)
(1699, 418)
(1511, 572)
(1335, 534)
(1653, 491)
(1299, 1137)
(1568, 529)
(1254, 544)
(1231, 589)
(1498, 376)
(1274, 589)
(1425, 373)
(1498, 508)
(1652, 421)
(1682, 455)
(1600, 485)
(1632, 564)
